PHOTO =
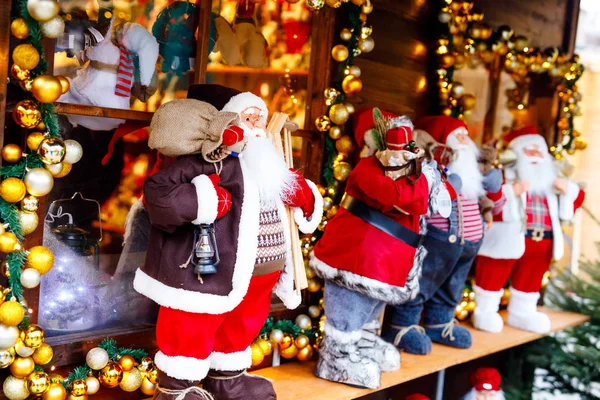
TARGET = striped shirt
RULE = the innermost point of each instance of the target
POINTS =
(537, 213)
(125, 73)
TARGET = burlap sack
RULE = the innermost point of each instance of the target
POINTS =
(187, 126)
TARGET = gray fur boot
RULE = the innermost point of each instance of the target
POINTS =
(372, 346)
(340, 360)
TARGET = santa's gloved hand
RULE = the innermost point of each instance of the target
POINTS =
(302, 197)
(223, 195)
(456, 182)
(492, 181)
(232, 135)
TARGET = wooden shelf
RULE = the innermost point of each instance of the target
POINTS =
(240, 69)
(81, 109)
(295, 381)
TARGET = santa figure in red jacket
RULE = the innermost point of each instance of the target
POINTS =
(370, 253)
(526, 237)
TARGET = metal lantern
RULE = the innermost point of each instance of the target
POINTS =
(80, 241)
(205, 256)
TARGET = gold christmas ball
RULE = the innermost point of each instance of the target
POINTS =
(26, 114)
(93, 385)
(46, 88)
(15, 388)
(314, 311)
(12, 190)
(257, 354)
(111, 375)
(26, 85)
(460, 313)
(351, 85)
(29, 222)
(471, 306)
(330, 95)
(338, 113)
(39, 182)
(323, 123)
(468, 101)
(332, 190)
(366, 31)
(366, 45)
(344, 145)
(334, 4)
(43, 354)
(367, 8)
(286, 342)
(34, 140)
(303, 321)
(358, 2)
(126, 363)
(310, 273)
(72, 397)
(314, 285)
(42, 10)
(7, 357)
(335, 132)
(40, 258)
(289, 352)
(26, 56)
(64, 83)
(315, 5)
(580, 143)
(276, 336)
(33, 336)
(54, 28)
(520, 43)
(8, 336)
(350, 107)
(305, 353)
(457, 90)
(30, 203)
(264, 345)
(19, 28)
(353, 70)
(11, 153)
(327, 203)
(59, 170)
(446, 60)
(302, 341)
(340, 53)
(52, 150)
(22, 367)
(345, 34)
(23, 350)
(38, 383)
(55, 391)
(8, 241)
(146, 364)
(4, 269)
(341, 171)
(11, 313)
(132, 380)
(152, 375)
(148, 388)
(20, 74)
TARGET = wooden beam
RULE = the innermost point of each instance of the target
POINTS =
(571, 22)
(5, 7)
(82, 109)
(204, 14)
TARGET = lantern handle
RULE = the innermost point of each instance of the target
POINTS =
(77, 195)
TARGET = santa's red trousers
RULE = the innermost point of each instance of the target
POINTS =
(526, 272)
(181, 333)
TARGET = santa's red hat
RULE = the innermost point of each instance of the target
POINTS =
(523, 137)
(417, 396)
(486, 379)
(439, 126)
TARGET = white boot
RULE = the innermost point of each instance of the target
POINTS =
(486, 317)
(523, 314)
(372, 346)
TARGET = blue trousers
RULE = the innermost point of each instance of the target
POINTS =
(348, 310)
(444, 272)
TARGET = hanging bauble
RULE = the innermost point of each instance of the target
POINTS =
(39, 182)
(446, 60)
(54, 169)
(8, 242)
(303, 321)
(334, 4)
(12, 190)
(64, 83)
(338, 113)
(19, 28)
(287, 341)
(23, 350)
(276, 336)
(341, 171)
(290, 352)
(351, 85)
(146, 364)
(38, 383)
(314, 311)
(20, 74)
(26, 85)
(30, 203)
(315, 4)
(65, 168)
(93, 385)
(15, 388)
(148, 388)
(353, 70)
(54, 28)
(344, 145)
(468, 101)
(12, 153)
(55, 391)
(305, 353)
(8, 336)
(126, 363)
(346, 34)
(29, 222)
(580, 143)
(22, 367)
(46, 88)
(97, 358)
(302, 341)
(4, 268)
(34, 140)
(330, 95)
(111, 375)
(520, 43)
(445, 15)
(78, 387)
(40, 258)
(72, 397)
(350, 107)
(30, 277)
(314, 285)
(11, 313)
(7, 357)
(43, 354)
(339, 53)
(42, 10)
(366, 45)
(264, 345)
(505, 32)
(26, 56)
(335, 132)
(26, 114)
(323, 123)
(74, 151)
(132, 380)
(310, 273)
(152, 375)
(257, 354)
(457, 90)
(33, 336)
(292, 1)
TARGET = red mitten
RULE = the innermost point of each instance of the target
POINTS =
(303, 197)
(232, 135)
(223, 195)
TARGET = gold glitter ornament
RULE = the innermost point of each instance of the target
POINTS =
(15, 388)
(7, 357)
(19, 28)
(341, 171)
(12, 153)
(132, 380)
(264, 345)
(43, 354)
(338, 114)
(8, 243)
(26, 56)
(344, 145)
(340, 53)
(33, 336)
(314, 285)
(97, 358)
(351, 85)
(55, 391)
(22, 367)
(314, 311)
(11, 313)
(34, 140)
(111, 375)
(335, 132)
(346, 34)
(40, 258)
(257, 354)
(38, 383)
(12, 190)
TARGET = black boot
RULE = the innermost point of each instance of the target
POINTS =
(177, 389)
(238, 385)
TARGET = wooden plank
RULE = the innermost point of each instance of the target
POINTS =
(296, 381)
(204, 13)
(81, 109)
(5, 7)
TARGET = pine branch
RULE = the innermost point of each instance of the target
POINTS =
(110, 345)
(16, 260)
(80, 372)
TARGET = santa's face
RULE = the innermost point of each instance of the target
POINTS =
(462, 136)
(534, 153)
(464, 164)
(535, 166)
(486, 395)
(253, 122)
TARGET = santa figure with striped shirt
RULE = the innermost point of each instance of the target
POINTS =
(526, 237)
(451, 243)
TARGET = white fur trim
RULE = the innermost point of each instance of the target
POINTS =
(523, 141)
(208, 201)
(285, 286)
(196, 302)
(373, 325)
(237, 361)
(137, 39)
(135, 208)
(558, 241)
(565, 202)
(341, 337)
(523, 314)
(304, 224)
(242, 101)
(180, 367)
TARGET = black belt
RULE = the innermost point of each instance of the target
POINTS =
(380, 221)
(539, 234)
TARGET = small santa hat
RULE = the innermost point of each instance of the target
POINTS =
(439, 126)
(399, 133)
(486, 379)
(518, 139)
(245, 100)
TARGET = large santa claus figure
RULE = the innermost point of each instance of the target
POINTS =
(451, 242)
(526, 238)
(228, 197)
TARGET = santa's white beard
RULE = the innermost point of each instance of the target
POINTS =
(539, 172)
(269, 169)
(472, 395)
(466, 167)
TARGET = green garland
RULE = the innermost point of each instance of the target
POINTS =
(287, 326)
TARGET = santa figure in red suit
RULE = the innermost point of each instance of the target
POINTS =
(526, 237)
